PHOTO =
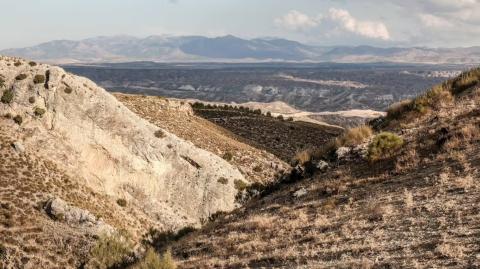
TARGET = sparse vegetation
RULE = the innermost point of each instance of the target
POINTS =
(21, 77)
(355, 136)
(122, 202)
(228, 156)
(32, 64)
(3, 252)
(17, 63)
(68, 90)
(110, 251)
(31, 100)
(384, 145)
(39, 112)
(18, 119)
(223, 181)
(160, 134)
(2, 81)
(7, 96)
(153, 261)
(161, 240)
(240, 185)
(38, 79)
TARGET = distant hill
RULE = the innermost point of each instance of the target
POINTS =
(229, 49)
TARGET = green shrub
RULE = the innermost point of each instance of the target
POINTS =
(110, 251)
(228, 156)
(21, 77)
(31, 100)
(38, 79)
(32, 63)
(240, 185)
(384, 145)
(122, 202)
(39, 111)
(223, 181)
(7, 97)
(153, 261)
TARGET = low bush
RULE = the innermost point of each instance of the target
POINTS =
(160, 134)
(384, 145)
(32, 64)
(257, 169)
(7, 97)
(223, 181)
(68, 90)
(39, 111)
(122, 202)
(21, 77)
(240, 185)
(355, 136)
(38, 79)
(31, 100)
(228, 156)
(153, 261)
(18, 119)
(17, 63)
(110, 251)
(2, 82)
(280, 117)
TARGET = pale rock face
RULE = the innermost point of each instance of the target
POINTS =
(88, 132)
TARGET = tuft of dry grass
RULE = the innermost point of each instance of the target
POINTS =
(355, 136)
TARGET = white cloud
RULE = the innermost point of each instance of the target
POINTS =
(433, 21)
(370, 29)
(296, 20)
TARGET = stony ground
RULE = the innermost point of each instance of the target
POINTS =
(178, 118)
(418, 209)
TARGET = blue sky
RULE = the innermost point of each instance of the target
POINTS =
(325, 22)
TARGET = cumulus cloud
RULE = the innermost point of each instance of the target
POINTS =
(295, 20)
(433, 21)
(370, 29)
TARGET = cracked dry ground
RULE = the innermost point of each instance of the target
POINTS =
(418, 209)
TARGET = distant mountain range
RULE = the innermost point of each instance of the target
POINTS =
(230, 49)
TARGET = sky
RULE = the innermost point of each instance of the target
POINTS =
(384, 23)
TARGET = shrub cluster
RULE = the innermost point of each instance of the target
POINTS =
(228, 156)
(240, 185)
(110, 251)
(7, 96)
(384, 145)
(122, 202)
(21, 77)
(153, 261)
(38, 79)
(39, 111)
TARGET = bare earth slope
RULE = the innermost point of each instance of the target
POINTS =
(78, 143)
(177, 117)
(417, 209)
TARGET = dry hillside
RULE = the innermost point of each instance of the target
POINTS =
(79, 169)
(178, 118)
(405, 199)
(282, 137)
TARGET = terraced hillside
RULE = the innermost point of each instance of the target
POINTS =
(178, 118)
(282, 137)
(406, 199)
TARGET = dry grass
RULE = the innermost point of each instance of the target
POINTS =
(354, 136)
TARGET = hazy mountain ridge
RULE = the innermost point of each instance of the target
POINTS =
(230, 48)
